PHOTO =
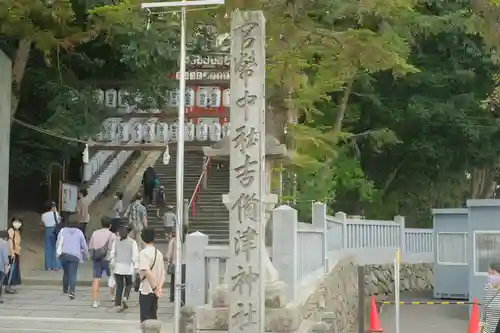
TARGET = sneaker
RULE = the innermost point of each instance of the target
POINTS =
(125, 304)
(71, 295)
(65, 293)
(95, 304)
(1, 302)
(10, 291)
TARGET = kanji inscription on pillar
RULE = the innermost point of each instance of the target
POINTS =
(247, 152)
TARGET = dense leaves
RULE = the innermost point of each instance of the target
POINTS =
(389, 107)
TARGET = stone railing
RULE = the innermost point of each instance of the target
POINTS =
(102, 181)
(301, 250)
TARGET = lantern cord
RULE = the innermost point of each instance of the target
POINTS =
(47, 132)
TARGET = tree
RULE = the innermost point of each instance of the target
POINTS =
(62, 51)
(440, 119)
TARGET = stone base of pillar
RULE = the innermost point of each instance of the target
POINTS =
(275, 295)
(284, 320)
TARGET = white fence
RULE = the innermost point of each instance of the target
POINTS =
(301, 249)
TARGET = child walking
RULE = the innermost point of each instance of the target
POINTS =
(170, 222)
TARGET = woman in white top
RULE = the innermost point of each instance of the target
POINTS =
(50, 220)
(124, 258)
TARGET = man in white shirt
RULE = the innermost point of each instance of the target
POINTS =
(152, 273)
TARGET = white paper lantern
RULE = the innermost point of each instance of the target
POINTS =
(215, 131)
(173, 98)
(189, 99)
(110, 129)
(202, 97)
(189, 131)
(226, 98)
(149, 134)
(163, 132)
(137, 132)
(124, 132)
(123, 96)
(202, 131)
(214, 97)
(111, 98)
(174, 133)
(99, 96)
(225, 130)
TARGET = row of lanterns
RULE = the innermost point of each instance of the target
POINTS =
(160, 132)
(202, 97)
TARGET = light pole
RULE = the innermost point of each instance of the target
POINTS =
(180, 143)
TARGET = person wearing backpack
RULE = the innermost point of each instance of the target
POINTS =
(137, 219)
(99, 249)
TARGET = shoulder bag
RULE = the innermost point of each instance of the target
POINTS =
(138, 279)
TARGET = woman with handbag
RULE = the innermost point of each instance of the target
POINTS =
(52, 223)
(170, 257)
(490, 315)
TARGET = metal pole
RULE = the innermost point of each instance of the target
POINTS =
(180, 176)
(397, 287)
(361, 299)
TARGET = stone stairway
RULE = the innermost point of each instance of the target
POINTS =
(193, 161)
(211, 215)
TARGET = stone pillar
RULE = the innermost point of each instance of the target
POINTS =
(5, 121)
(319, 220)
(402, 236)
(285, 246)
(196, 244)
(245, 200)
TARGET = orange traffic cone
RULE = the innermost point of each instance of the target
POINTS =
(374, 320)
(474, 318)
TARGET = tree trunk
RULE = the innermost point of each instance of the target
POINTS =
(482, 184)
(337, 126)
(18, 69)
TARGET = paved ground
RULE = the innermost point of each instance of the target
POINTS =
(425, 318)
(44, 309)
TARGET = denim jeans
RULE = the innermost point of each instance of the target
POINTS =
(49, 244)
(70, 269)
(124, 285)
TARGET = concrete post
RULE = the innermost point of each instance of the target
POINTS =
(342, 217)
(196, 244)
(319, 221)
(5, 121)
(402, 240)
(285, 257)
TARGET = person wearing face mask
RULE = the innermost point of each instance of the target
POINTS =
(14, 240)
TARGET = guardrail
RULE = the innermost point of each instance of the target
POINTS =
(197, 188)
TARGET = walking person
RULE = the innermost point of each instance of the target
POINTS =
(99, 249)
(71, 250)
(152, 277)
(148, 182)
(4, 260)
(171, 260)
(82, 210)
(118, 207)
(52, 224)
(170, 222)
(490, 315)
(124, 259)
(138, 219)
(14, 241)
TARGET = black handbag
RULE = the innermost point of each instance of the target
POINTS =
(59, 225)
(171, 269)
(138, 279)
